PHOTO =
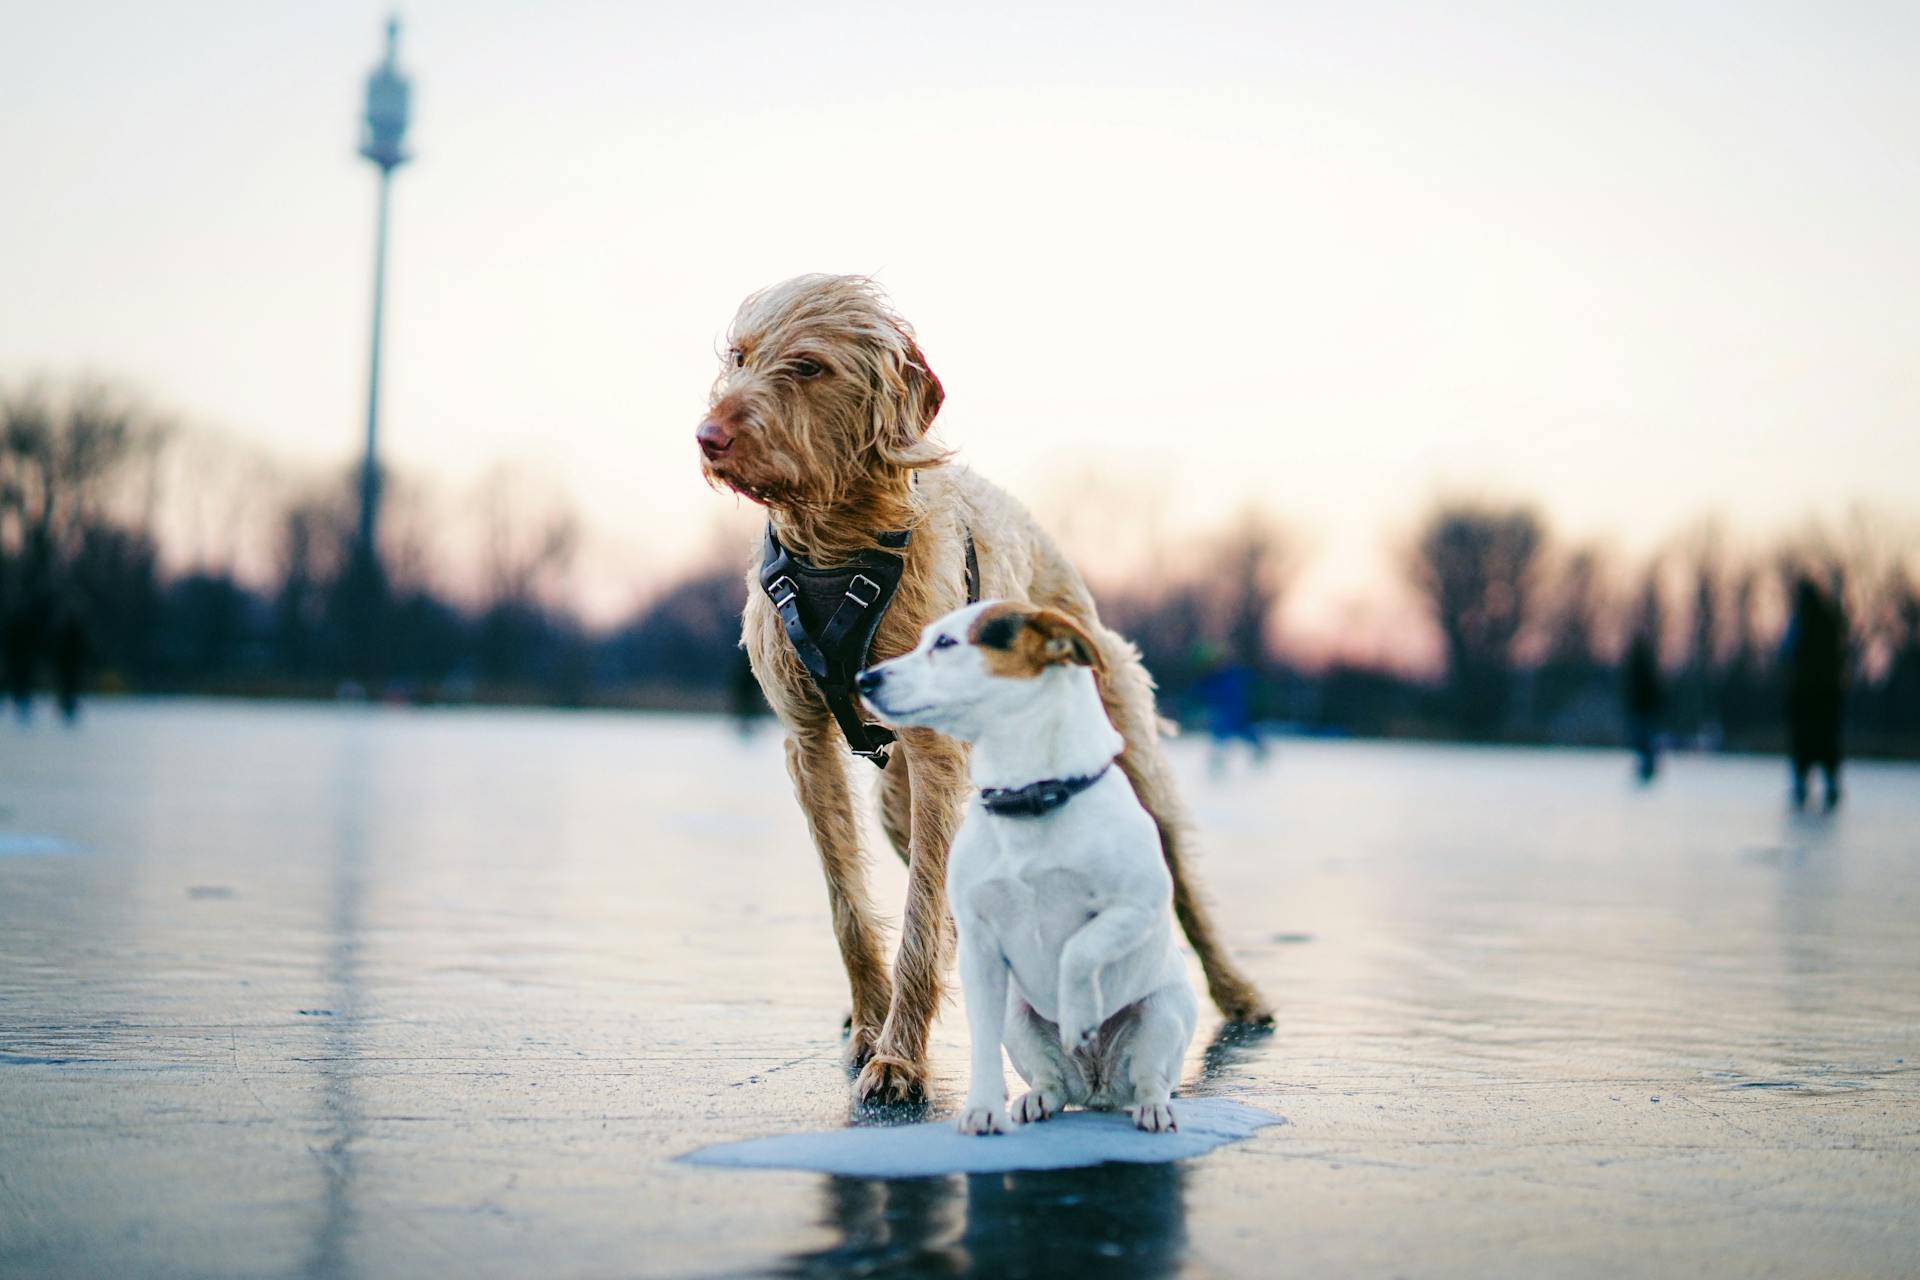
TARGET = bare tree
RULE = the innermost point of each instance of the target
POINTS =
(1705, 564)
(1215, 599)
(1575, 609)
(315, 548)
(1901, 688)
(1476, 565)
(528, 539)
(61, 454)
(1258, 559)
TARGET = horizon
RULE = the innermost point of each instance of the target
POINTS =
(1641, 269)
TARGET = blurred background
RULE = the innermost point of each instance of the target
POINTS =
(1389, 370)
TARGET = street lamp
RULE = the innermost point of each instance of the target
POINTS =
(383, 131)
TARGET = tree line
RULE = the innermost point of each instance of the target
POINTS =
(1534, 632)
(1531, 630)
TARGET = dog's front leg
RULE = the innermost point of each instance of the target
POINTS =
(1099, 945)
(983, 984)
(936, 770)
(817, 761)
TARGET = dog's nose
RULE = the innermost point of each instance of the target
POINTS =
(714, 437)
(869, 680)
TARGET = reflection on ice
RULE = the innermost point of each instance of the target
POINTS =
(1132, 1217)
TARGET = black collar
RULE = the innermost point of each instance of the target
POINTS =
(1038, 799)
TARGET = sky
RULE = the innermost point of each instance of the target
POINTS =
(1640, 263)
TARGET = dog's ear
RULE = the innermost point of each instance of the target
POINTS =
(1032, 640)
(907, 397)
(1064, 640)
(927, 393)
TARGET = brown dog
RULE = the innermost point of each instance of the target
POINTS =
(822, 414)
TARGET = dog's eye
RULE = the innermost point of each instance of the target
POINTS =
(944, 642)
(805, 368)
(739, 358)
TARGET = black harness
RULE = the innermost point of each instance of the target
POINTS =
(1038, 799)
(830, 616)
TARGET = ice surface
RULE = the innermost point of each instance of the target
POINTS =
(1072, 1140)
(372, 992)
(27, 844)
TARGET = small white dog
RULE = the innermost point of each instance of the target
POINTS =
(1056, 880)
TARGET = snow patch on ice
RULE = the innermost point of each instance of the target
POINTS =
(26, 844)
(1072, 1140)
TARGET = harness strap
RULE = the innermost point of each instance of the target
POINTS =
(836, 654)
(865, 739)
(860, 596)
(973, 569)
(786, 602)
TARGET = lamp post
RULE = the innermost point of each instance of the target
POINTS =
(384, 129)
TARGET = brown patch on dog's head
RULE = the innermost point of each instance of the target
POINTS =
(1021, 641)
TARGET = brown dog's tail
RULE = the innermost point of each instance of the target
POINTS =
(1127, 691)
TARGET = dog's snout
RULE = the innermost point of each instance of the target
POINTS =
(715, 437)
(869, 680)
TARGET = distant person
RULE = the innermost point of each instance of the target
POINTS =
(19, 655)
(1227, 693)
(743, 696)
(71, 650)
(1645, 700)
(1815, 654)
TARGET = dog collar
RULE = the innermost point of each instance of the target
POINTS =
(1038, 799)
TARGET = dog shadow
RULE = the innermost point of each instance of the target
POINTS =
(1233, 1047)
(1128, 1220)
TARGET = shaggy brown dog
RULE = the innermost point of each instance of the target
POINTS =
(822, 414)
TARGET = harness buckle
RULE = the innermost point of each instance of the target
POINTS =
(782, 591)
(853, 589)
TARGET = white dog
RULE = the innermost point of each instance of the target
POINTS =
(1056, 881)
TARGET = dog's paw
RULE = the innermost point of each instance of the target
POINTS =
(1037, 1106)
(981, 1119)
(888, 1080)
(860, 1045)
(1154, 1117)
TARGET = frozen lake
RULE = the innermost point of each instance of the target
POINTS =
(347, 991)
